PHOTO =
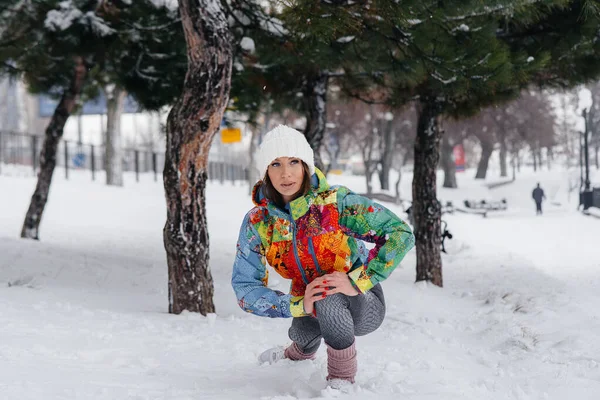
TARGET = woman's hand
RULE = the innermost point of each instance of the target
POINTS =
(316, 290)
(341, 282)
(326, 285)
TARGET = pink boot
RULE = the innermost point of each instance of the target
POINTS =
(341, 364)
(294, 353)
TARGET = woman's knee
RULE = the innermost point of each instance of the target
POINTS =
(307, 343)
(303, 327)
(369, 312)
(331, 306)
(368, 325)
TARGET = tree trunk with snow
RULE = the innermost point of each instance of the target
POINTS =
(315, 97)
(54, 132)
(192, 123)
(487, 148)
(426, 209)
(115, 101)
(387, 153)
(448, 164)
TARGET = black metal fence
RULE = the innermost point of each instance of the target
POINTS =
(22, 149)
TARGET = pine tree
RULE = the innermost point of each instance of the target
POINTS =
(454, 57)
(300, 48)
(70, 48)
(192, 123)
(53, 44)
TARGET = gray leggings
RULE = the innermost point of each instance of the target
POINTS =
(339, 319)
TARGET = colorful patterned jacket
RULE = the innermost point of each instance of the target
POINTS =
(317, 234)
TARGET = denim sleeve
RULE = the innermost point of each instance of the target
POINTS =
(250, 276)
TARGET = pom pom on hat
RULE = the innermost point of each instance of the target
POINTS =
(283, 141)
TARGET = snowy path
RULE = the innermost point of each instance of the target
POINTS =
(518, 317)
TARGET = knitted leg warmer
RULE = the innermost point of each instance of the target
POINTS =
(294, 353)
(341, 364)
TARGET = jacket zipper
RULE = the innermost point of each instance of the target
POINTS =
(311, 250)
(296, 253)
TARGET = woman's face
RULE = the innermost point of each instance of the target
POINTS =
(286, 175)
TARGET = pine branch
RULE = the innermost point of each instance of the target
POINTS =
(10, 68)
(140, 73)
(253, 12)
(138, 27)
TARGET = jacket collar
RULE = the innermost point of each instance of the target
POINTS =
(299, 206)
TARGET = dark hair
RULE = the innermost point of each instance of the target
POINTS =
(273, 195)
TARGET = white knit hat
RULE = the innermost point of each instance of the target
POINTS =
(283, 141)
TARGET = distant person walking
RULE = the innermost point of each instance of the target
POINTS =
(538, 196)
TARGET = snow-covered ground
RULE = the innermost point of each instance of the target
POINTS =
(83, 311)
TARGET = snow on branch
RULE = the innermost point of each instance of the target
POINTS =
(487, 10)
(170, 4)
(143, 75)
(213, 15)
(247, 16)
(157, 27)
(437, 76)
(68, 14)
(98, 25)
(62, 19)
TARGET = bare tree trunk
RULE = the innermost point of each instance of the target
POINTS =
(367, 153)
(115, 101)
(597, 150)
(252, 172)
(257, 135)
(487, 148)
(387, 154)
(192, 123)
(448, 164)
(397, 186)
(426, 209)
(549, 157)
(369, 179)
(513, 165)
(535, 160)
(54, 132)
(315, 95)
(503, 156)
(333, 150)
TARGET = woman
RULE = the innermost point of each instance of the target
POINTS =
(313, 234)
